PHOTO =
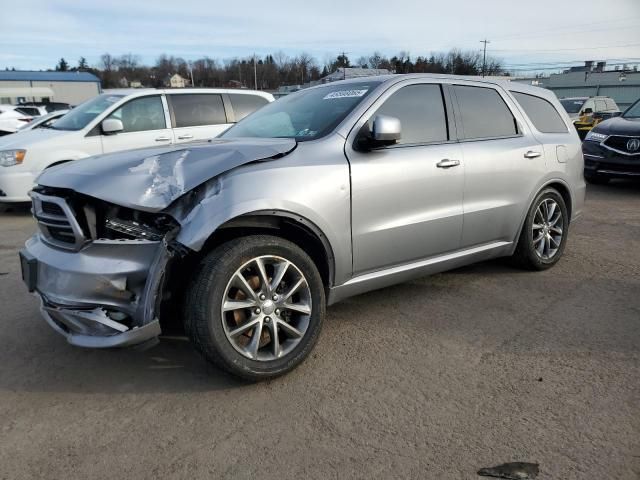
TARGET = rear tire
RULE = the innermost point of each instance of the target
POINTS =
(219, 304)
(544, 233)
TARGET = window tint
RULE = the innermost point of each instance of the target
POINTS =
(31, 111)
(192, 110)
(421, 112)
(244, 105)
(141, 114)
(484, 113)
(541, 113)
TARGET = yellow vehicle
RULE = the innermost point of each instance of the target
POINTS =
(587, 112)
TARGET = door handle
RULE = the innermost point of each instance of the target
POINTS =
(532, 154)
(446, 163)
(185, 137)
(163, 139)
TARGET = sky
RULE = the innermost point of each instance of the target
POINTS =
(527, 35)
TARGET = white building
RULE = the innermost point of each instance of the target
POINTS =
(67, 87)
(176, 81)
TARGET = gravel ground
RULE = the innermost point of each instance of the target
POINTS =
(431, 379)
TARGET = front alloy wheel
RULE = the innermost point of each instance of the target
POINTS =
(266, 309)
(256, 306)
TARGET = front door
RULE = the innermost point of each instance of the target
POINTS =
(144, 123)
(407, 198)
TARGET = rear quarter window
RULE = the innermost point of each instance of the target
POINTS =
(484, 113)
(246, 104)
(542, 113)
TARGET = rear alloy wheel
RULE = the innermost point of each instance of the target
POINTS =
(544, 233)
(256, 306)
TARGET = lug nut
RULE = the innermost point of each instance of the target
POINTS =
(277, 311)
(274, 298)
(262, 296)
(257, 310)
(267, 319)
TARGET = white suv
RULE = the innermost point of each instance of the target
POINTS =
(120, 120)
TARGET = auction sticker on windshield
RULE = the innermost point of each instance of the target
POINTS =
(345, 94)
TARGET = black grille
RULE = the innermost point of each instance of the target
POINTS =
(620, 143)
(52, 209)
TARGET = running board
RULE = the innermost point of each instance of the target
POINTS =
(402, 273)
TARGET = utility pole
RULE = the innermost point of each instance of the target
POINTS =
(191, 72)
(484, 55)
(344, 65)
(255, 72)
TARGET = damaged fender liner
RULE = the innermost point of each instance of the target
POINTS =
(151, 179)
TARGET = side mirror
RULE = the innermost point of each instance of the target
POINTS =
(587, 111)
(386, 130)
(111, 126)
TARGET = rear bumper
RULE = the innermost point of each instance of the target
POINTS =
(106, 295)
(603, 162)
(15, 186)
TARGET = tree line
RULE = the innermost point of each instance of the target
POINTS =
(271, 71)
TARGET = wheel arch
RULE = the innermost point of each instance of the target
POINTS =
(557, 184)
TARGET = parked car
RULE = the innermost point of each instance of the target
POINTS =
(49, 106)
(327, 193)
(578, 107)
(612, 148)
(13, 117)
(44, 121)
(120, 120)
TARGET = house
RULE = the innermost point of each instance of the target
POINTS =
(176, 81)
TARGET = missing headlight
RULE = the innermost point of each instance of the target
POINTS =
(134, 229)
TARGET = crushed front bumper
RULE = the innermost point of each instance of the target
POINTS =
(105, 295)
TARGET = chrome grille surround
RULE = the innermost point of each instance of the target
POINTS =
(62, 231)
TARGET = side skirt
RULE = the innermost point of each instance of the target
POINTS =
(391, 276)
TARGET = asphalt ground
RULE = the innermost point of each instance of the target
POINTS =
(431, 379)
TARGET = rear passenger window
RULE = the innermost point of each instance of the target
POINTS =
(484, 113)
(192, 110)
(421, 112)
(542, 114)
(600, 106)
(244, 105)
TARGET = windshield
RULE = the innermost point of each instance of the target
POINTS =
(572, 105)
(633, 111)
(79, 117)
(304, 115)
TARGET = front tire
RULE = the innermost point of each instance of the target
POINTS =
(544, 233)
(255, 307)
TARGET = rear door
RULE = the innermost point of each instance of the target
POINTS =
(197, 116)
(503, 164)
(145, 125)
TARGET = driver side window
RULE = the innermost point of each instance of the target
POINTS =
(421, 111)
(141, 114)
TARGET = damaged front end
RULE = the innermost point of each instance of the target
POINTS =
(98, 268)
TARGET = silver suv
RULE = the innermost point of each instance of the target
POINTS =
(324, 194)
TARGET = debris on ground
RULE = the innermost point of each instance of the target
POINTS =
(513, 471)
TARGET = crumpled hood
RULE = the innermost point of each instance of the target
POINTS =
(151, 179)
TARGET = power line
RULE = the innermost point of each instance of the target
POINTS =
(568, 49)
(555, 29)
